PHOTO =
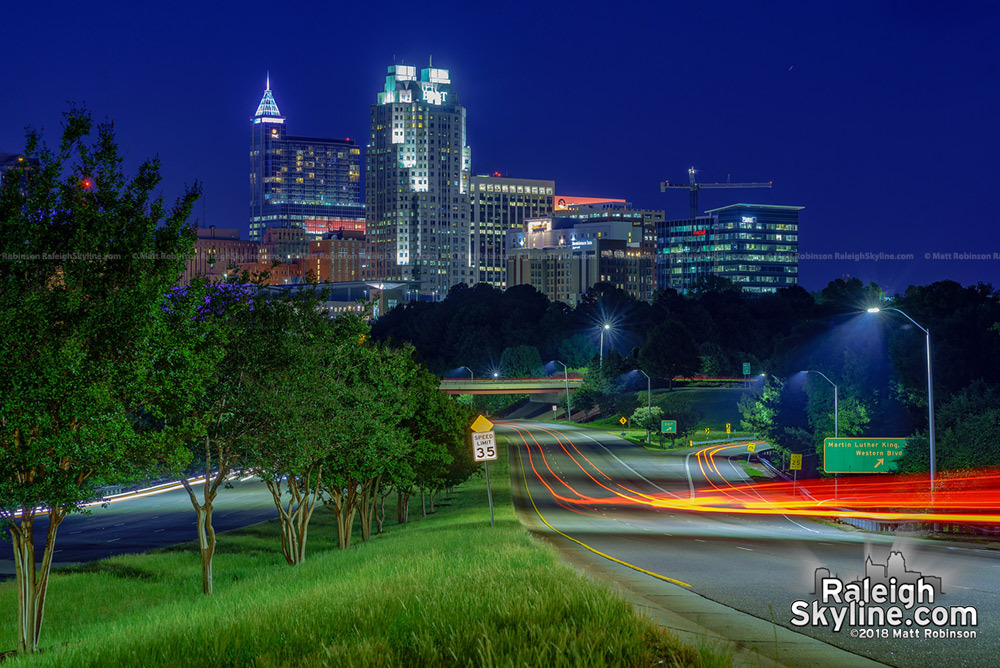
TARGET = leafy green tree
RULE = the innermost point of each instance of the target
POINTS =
(677, 407)
(86, 257)
(521, 362)
(669, 351)
(968, 429)
(290, 440)
(648, 417)
(759, 411)
(577, 349)
(365, 429)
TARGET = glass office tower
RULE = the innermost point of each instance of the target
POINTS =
(312, 183)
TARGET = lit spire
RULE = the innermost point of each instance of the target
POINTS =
(267, 106)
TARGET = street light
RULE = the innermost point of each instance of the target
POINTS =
(649, 403)
(836, 433)
(569, 415)
(472, 376)
(605, 328)
(930, 386)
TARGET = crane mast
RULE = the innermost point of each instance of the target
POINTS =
(694, 187)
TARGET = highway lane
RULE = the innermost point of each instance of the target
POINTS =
(586, 483)
(139, 524)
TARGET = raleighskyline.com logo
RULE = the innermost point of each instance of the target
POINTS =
(889, 602)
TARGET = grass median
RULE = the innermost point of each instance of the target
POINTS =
(447, 590)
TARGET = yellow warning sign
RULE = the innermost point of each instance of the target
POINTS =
(481, 424)
(751, 447)
(623, 420)
(795, 462)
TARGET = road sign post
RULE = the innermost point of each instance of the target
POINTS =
(554, 408)
(484, 449)
(751, 447)
(862, 455)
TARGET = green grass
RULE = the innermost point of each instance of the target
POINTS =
(448, 590)
(753, 473)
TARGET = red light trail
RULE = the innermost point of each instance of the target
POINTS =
(967, 497)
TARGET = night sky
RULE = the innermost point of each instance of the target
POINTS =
(881, 119)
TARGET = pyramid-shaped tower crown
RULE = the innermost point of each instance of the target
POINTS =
(267, 106)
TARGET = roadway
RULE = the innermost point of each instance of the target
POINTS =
(683, 516)
(136, 523)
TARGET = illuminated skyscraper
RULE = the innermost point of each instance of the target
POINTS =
(501, 204)
(312, 183)
(417, 181)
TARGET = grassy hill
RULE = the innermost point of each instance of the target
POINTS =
(447, 590)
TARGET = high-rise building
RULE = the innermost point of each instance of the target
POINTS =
(312, 183)
(755, 246)
(564, 257)
(501, 204)
(417, 171)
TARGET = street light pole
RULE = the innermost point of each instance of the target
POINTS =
(605, 328)
(472, 376)
(569, 415)
(649, 404)
(930, 387)
(836, 432)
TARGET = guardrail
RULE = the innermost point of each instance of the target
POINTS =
(764, 458)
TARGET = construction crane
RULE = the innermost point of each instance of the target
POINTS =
(695, 187)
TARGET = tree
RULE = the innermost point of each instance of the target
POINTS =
(669, 351)
(648, 417)
(87, 257)
(296, 404)
(577, 349)
(201, 324)
(676, 407)
(521, 362)
(366, 437)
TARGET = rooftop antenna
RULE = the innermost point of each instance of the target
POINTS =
(430, 61)
(267, 86)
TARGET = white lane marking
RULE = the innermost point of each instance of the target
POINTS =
(583, 433)
(687, 468)
(699, 540)
(113, 540)
(744, 548)
(73, 532)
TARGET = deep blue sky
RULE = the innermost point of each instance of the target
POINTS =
(882, 119)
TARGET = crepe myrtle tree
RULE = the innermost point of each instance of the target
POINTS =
(289, 442)
(369, 387)
(86, 257)
(240, 341)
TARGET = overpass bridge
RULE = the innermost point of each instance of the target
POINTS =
(508, 385)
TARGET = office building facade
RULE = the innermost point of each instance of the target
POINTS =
(755, 246)
(417, 171)
(565, 257)
(500, 205)
(310, 183)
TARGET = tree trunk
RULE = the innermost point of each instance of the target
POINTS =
(203, 511)
(369, 494)
(303, 497)
(32, 582)
(423, 504)
(380, 512)
(432, 502)
(402, 506)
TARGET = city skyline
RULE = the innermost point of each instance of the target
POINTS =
(870, 118)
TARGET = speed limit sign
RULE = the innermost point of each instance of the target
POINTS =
(484, 446)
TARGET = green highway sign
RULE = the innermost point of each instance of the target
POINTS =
(862, 455)
(746, 368)
(668, 426)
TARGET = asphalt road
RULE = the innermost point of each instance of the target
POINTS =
(756, 563)
(140, 524)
